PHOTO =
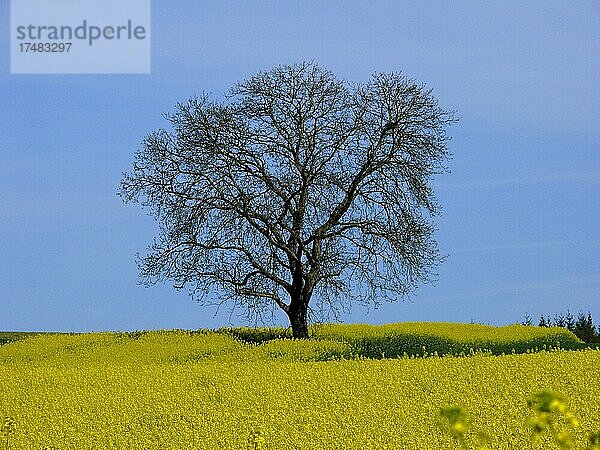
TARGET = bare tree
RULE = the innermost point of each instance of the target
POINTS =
(299, 191)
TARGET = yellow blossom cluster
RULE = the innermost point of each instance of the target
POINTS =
(209, 390)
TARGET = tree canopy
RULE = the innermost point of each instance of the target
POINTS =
(298, 191)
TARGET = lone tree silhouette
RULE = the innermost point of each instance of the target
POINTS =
(299, 191)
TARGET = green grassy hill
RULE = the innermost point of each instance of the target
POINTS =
(335, 341)
(419, 338)
(8, 336)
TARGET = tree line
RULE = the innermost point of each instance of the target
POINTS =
(583, 327)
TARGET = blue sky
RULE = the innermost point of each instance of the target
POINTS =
(520, 209)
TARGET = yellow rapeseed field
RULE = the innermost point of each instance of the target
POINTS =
(182, 390)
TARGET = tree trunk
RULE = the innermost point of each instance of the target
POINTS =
(299, 320)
